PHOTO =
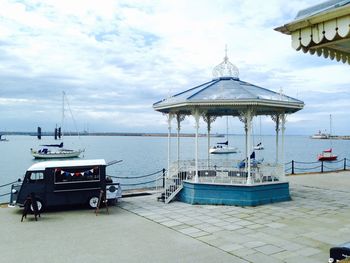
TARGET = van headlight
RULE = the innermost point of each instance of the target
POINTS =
(330, 260)
(14, 191)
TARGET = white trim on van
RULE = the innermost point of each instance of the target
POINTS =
(41, 166)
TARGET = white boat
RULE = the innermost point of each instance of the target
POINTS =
(3, 139)
(223, 147)
(46, 153)
(320, 135)
(259, 146)
(55, 151)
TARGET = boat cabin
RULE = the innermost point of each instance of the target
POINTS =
(70, 182)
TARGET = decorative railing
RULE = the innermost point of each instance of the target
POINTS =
(296, 167)
(225, 171)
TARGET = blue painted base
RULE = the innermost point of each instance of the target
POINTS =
(241, 195)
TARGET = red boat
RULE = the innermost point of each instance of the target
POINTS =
(327, 155)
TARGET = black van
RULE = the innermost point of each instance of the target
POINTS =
(69, 182)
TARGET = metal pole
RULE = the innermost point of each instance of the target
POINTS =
(178, 142)
(321, 166)
(196, 116)
(283, 124)
(163, 177)
(246, 143)
(344, 164)
(292, 166)
(169, 135)
(249, 127)
(208, 127)
(277, 134)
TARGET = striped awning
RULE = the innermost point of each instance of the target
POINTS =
(323, 30)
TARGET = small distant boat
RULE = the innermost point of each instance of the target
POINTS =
(320, 135)
(259, 146)
(327, 155)
(3, 139)
(222, 148)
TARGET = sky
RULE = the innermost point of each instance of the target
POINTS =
(114, 59)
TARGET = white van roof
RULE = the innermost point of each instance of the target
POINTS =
(41, 166)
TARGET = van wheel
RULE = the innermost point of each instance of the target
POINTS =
(40, 205)
(93, 202)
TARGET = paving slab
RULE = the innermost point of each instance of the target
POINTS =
(315, 220)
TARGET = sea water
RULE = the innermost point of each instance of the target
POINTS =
(147, 154)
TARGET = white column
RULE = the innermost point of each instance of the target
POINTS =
(248, 146)
(208, 119)
(246, 143)
(179, 119)
(283, 128)
(277, 129)
(169, 116)
(196, 116)
(208, 148)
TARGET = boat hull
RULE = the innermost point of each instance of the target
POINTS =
(57, 155)
(259, 148)
(223, 150)
(327, 155)
(327, 158)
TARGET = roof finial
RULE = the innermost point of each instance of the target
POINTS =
(226, 68)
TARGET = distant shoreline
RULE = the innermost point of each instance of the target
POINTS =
(334, 137)
(135, 134)
(146, 134)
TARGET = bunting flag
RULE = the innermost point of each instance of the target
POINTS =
(84, 173)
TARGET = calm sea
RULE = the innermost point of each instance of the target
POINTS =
(145, 155)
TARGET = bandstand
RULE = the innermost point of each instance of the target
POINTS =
(219, 181)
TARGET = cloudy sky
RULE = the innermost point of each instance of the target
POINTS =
(114, 59)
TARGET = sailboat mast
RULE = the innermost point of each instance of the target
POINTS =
(260, 129)
(330, 129)
(227, 129)
(62, 131)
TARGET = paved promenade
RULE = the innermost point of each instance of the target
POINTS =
(140, 229)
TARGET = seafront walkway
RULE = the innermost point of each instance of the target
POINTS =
(140, 229)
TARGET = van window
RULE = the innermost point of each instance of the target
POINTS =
(36, 176)
(75, 175)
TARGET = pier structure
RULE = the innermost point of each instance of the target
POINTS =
(219, 181)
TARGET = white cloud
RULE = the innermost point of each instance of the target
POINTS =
(116, 58)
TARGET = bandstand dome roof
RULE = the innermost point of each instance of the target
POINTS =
(228, 95)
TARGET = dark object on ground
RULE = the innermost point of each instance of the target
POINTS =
(339, 252)
(30, 205)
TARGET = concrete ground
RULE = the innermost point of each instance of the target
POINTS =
(81, 236)
(140, 229)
